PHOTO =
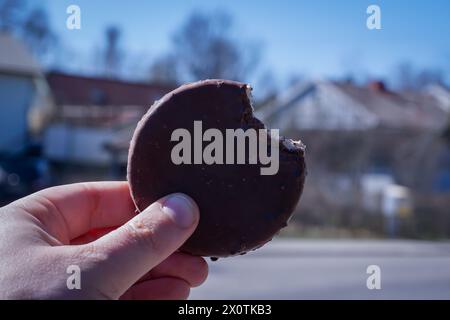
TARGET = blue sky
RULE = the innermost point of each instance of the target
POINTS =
(316, 38)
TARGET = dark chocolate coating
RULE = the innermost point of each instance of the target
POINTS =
(240, 209)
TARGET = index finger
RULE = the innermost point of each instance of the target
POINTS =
(70, 211)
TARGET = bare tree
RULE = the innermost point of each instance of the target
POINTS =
(205, 48)
(10, 14)
(267, 90)
(31, 25)
(164, 69)
(409, 78)
(429, 76)
(404, 76)
(112, 55)
(37, 32)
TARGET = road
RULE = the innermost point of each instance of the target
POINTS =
(332, 269)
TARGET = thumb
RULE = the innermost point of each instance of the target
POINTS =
(143, 242)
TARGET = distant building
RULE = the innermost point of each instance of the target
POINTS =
(328, 105)
(381, 194)
(24, 96)
(90, 112)
(366, 146)
(441, 94)
(25, 107)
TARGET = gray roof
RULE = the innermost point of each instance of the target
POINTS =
(399, 109)
(325, 104)
(15, 57)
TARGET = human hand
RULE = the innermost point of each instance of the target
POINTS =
(94, 226)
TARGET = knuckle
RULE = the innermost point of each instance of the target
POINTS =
(143, 234)
(92, 253)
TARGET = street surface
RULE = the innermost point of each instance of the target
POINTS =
(332, 269)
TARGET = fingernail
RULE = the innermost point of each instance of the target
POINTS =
(181, 209)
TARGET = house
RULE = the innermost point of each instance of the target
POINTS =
(25, 100)
(330, 105)
(441, 94)
(25, 106)
(352, 128)
(367, 147)
(90, 112)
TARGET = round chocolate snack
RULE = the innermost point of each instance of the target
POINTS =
(240, 208)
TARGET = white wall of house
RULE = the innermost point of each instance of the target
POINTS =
(75, 144)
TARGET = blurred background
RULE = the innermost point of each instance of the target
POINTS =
(372, 106)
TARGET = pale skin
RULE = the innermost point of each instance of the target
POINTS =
(121, 255)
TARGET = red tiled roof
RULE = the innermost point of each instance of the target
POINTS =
(81, 90)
